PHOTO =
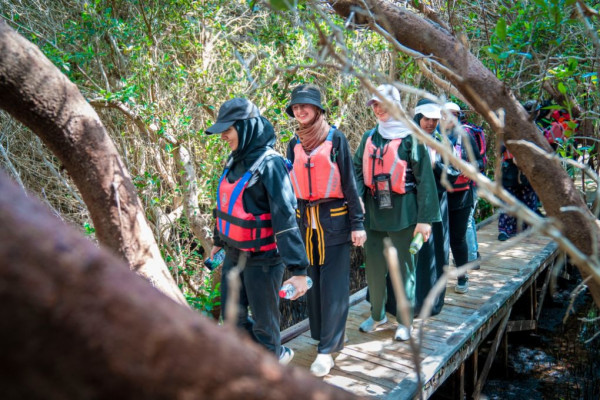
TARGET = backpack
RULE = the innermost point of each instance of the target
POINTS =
(479, 135)
(560, 126)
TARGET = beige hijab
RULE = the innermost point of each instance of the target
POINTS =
(313, 134)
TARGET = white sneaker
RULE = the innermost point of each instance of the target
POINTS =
(370, 324)
(402, 333)
(462, 287)
(286, 355)
(322, 365)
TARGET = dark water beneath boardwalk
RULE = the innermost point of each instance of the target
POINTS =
(554, 362)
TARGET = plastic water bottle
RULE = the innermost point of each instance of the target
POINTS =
(416, 244)
(288, 290)
(212, 263)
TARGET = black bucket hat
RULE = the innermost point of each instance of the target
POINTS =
(233, 110)
(305, 94)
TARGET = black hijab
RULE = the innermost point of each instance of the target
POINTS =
(255, 136)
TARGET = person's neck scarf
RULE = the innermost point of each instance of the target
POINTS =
(393, 129)
(313, 134)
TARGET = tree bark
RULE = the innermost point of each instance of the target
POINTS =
(484, 91)
(34, 92)
(76, 324)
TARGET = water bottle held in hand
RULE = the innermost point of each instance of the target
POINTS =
(212, 263)
(288, 290)
(416, 244)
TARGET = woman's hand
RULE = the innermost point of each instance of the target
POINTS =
(299, 282)
(359, 238)
(214, 250)
(423, 229)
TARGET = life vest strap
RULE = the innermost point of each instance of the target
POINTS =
(249, 244)
(243, 223)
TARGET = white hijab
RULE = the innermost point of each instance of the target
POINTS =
(392, 128)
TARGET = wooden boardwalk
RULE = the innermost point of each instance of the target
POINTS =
(374, 365)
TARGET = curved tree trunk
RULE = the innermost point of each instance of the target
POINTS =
(483, 90)
(76, 324)
(34, 91)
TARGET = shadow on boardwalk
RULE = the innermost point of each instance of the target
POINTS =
(374, 365)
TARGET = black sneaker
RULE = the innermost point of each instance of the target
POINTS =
(503, 236)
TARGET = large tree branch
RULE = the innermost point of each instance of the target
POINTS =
(76, 324)
(484, 91)
(34, 91)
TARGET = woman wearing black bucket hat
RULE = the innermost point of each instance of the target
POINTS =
(255, 223)
(330, 219)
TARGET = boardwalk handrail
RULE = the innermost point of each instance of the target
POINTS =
(501, 302)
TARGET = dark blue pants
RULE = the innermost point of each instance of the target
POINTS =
(259, 294)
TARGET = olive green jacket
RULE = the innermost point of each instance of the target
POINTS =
(419, 205)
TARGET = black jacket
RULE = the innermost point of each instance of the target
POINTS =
(269, 191)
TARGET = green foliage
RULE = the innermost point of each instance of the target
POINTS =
(282, 5)
(173, 63)
(89, 229)
(527, 32)
(483, 211)
(208, 300)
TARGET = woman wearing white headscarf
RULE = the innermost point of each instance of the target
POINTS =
(395, 180)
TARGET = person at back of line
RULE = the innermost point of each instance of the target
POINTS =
(517, 184)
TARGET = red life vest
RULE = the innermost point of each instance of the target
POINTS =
(462, 183)
(377, 160)
(238, 228)
(507, 155)
(315, 176)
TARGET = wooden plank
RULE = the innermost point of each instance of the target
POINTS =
(374, 365)
(521, 325)
(491, 356)
(356, 385)
(466, 337)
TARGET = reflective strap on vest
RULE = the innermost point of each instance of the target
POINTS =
(255, 244)
(243, 223)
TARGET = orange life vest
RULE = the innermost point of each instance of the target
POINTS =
(315, 176)
(377, 161)
(463, 182)
(236, 227)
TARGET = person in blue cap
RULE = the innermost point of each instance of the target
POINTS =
(330, 219)
(256, 223)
